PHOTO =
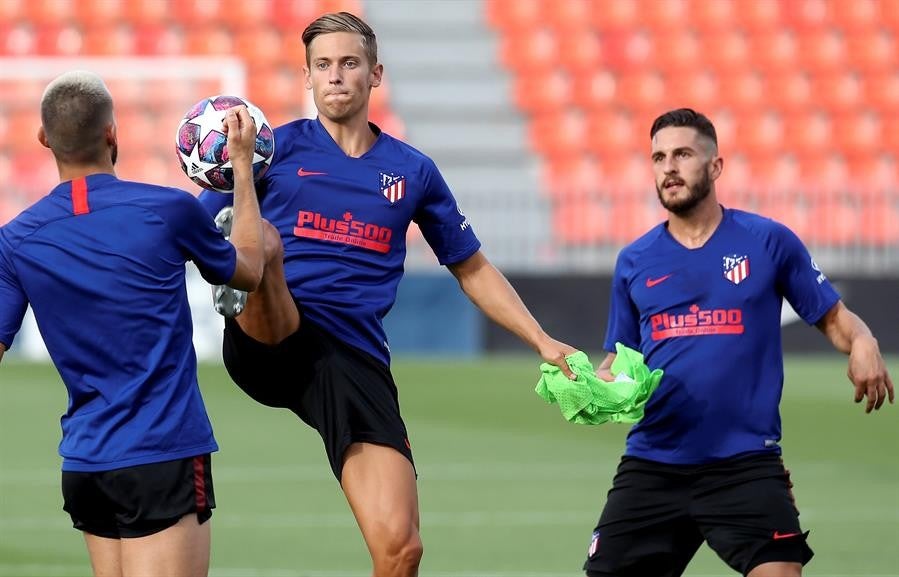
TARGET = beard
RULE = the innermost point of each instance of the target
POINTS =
(697, 193)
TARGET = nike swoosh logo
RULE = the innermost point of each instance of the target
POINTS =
(778, 535)
(302, 172)
(651, 282)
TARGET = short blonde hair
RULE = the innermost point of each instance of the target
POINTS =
(342, 22)
(76, 108)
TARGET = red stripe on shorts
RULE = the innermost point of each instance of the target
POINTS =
(200, 483)
(79, 196)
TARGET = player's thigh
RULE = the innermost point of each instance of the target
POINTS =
(379, 483)
(746, 511)
(273, 375)
(353, 399)
(180, 550)
(645, 529)
(105, 554)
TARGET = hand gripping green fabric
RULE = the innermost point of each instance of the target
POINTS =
(592, 401)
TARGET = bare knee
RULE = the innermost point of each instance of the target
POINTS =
(399, 555)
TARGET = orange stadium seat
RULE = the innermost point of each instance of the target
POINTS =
(697, 89)
(583, 221)
(872, 50)
(258, 45)
(160, 40)
(116, 39)
(808, 132)
(572, 178)
(580, 50)
(707, 15)
(882, 92)
(744, 89)
(48, 12)
(146, 12)
(858, 132)
(663, 14)
(95, 13)
(643, 89)
(879, 222)
(13, 10)
(790, 212)
(775, 49)
(596, 89)
(677, 50)
(759, 15)
(209, 39)
(760, 132)
(726, 50)
(612, 133)
(790, 91)
(531, 51)
(277, 91)
(560, 133)
(836, 221)
(294, 14)
(354, 6)
(567, 17)
(534, 93)
(509, 15)
(58, 40)
(857, 15)
(823, 49)
(839, 91)
(807, 14)
(616, 15)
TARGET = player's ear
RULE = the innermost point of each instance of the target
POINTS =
(717, 167)
(377, 72)
(111, 134)
(42, 137)
(307, 78)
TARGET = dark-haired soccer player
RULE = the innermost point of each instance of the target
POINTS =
(102, 263)
(700, 296)
(343, 194)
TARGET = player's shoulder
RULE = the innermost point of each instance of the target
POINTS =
(646, 242)
(757, 224)
(404, 152)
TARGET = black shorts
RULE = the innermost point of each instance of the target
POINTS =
(139, 501)
(656, 516)
(344, 393)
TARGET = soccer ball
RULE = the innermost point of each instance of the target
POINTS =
(202, 145)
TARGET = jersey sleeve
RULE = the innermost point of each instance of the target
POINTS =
(13, 302)
(799, 279)
(441, 221)
(199, 238)
(624, 319)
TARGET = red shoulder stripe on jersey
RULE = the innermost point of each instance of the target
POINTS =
(79, 196)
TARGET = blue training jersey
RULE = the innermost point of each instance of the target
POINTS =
(102, 263)
(343, 222)
(710, 317)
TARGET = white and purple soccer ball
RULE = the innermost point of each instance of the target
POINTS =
(202, 145)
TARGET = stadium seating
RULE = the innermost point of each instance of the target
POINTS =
(263, 34)
(804, 94)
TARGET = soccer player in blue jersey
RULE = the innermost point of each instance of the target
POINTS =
(700, 296)
(101, 261)
(342, 194)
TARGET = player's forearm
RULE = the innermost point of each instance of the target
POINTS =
(246, 231)
(492, 293)
(844, 328)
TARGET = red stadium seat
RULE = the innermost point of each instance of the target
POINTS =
(258, 45)
(50, 12)
(858, 15)
(160, 40)
(836, 221)
(760, 132)
(569, 17)
(678, 51)
(353, 6)
(572, 178)
(148, 12)
(13, 11)
(59, 40)
(294, 15)
(699, 89)
(707, 15)
(209, 39)
(664, 14)
(744, 90)
(642, 90)
(808, 14)
(102, 13)
(789, 212)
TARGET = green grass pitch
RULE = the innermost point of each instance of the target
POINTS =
(507, 487)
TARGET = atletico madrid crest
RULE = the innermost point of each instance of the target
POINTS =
(393, 187)
(736, 268)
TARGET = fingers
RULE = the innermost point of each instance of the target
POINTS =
(563, 365)
(889, 385)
